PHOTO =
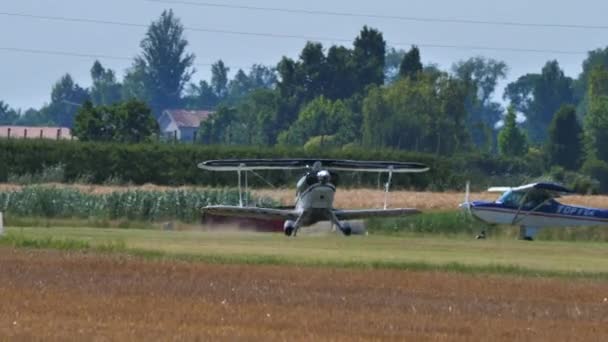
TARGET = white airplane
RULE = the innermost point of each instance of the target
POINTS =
(315, 191)
(533, 206)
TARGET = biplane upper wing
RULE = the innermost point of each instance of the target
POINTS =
(329, 164)
(251, 212)
(369, 213)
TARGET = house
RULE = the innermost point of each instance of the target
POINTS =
(181, 124)
(28, 132)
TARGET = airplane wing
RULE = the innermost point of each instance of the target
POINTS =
(329, 164)
(251, 212)
(369, 213)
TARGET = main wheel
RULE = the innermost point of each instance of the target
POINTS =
(346, 229)
(288, 231)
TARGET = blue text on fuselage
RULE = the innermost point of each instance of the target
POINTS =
(576, 211)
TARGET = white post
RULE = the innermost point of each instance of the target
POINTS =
(1, 224)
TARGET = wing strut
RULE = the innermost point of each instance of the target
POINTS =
(238, 171)
(387, 186)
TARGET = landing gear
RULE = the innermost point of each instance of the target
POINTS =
(527, 233)
(344, 227)
(288, 228)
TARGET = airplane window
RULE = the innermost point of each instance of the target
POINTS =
(511, 199)
(534, 199)
(514, 199)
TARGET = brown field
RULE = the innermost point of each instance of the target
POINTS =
(51, 295)
(356, 198)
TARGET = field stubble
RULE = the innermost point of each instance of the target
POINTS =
(74, 296)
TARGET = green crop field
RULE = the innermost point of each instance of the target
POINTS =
(401, 252)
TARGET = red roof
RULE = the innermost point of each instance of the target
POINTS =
(189, 118)
(20, 132)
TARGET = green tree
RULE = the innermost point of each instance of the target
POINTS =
(595, 58)
(511, 140)
(369, 57)
(8, 116)
(411, 64)
(219, 79)
(105, 89)
(481, 75)
(564, 147)
(66, 98)
(321, 118)
(596, 120)
(392, 64)
(425, 115)
(162, 70)
(552, 90)
(130, 122)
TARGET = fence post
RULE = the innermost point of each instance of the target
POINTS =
(9, 133)
(25, 133)
(1, 224)
(58, 133)
(40, 133)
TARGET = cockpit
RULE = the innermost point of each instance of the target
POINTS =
(531, 200)
(312, 178)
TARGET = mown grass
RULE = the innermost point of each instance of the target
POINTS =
(552, 259)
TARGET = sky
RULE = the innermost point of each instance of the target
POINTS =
(26, 78)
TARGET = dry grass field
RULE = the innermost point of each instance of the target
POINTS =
(52, 295)
(357, 198)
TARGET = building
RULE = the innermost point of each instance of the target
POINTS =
(181, 124)
(28, 132)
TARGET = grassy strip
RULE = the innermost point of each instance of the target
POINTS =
(17, 240)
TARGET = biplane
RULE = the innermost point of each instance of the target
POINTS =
(314, 191)
(533, 206)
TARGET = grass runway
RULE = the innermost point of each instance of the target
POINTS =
(375, 251)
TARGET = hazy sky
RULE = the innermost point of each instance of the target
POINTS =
(26, 79)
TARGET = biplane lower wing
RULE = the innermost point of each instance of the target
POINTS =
(251, 212)
(345, 215)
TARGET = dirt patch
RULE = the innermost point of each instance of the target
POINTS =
(74, 296)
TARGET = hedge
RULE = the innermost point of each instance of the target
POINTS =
(176, 164)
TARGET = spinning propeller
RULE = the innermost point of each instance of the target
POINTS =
(466, 205)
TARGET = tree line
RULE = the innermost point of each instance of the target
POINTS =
(367, 95)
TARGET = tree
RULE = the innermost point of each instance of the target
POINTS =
(321, 118)
(595, 58)
(66, 98)
(105, 90)
(129, 122)
(8, 116)
(511, 140)
(481, 75)
(392, 64)
(426, 115)
(596, 120)
(564, 147)
(219, 79)
(369, 57)
(162, 70)
(411, 64)
(552, 90)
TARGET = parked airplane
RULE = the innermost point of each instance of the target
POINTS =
(533, 206)
(315, 191)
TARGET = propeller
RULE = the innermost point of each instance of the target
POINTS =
(466, 205)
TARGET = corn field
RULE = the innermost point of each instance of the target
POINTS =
(59, 202)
